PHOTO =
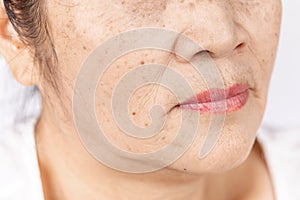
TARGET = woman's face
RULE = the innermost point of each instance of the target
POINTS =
(240, 36)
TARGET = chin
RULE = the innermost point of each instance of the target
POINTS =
(232, 148)
(223, 158)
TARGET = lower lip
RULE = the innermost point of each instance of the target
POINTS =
(230, 104)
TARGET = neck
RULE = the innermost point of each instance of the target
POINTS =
(68, 171)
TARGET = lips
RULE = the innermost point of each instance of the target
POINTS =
(218, 100)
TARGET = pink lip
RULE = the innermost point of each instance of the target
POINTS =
(218, 100)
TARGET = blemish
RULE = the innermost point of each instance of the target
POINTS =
(192, 5)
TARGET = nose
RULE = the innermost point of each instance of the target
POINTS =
(212, 25)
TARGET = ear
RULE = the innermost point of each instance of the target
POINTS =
(16, 54)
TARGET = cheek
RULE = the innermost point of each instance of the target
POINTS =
(262, 21)
(79, 30)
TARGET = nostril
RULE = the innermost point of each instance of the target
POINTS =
(240, 46)
(209, 53)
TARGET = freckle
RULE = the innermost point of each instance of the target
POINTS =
(163, 138)
(191, 5)
(184, 169)
(84, 47)
(142, 62)
(133, 113)
(146, 124)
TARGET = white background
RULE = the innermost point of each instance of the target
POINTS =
(283, 108)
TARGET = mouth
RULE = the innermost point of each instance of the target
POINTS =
(218, 101)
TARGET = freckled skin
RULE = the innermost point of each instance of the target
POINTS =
(231, 23)
(242, 38)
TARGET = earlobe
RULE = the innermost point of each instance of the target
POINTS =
(16, 54)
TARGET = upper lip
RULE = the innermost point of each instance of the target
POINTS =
(217, 94)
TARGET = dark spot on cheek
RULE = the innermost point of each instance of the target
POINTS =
(133, 113)
(191, 5)
(146, 124)
(84, 47)
(142, 62)
(184, 169)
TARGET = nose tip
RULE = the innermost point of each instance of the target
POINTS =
(219, 34)
(218, 45)
(226, 42)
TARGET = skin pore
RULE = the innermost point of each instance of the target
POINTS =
(241, 37)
